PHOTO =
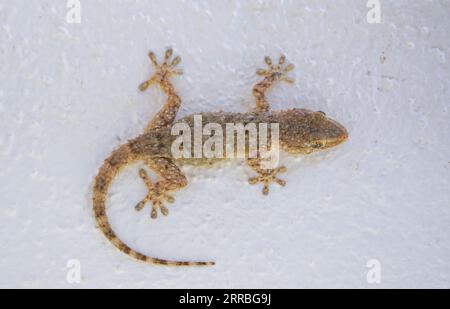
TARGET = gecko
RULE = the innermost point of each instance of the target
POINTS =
(301, 132)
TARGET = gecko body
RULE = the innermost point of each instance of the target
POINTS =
(301, 132)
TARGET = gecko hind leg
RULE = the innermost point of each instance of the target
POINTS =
(265, 176)
(172, 179)
(156, 196)
(271, 75)
(161, 76)
(162, 71)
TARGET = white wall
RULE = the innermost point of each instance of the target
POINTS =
(68, 96)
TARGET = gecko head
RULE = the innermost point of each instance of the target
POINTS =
(304, 131)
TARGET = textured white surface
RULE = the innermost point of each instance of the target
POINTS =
(68, 96)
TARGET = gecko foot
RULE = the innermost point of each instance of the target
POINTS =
(267, 177)
(277, 71)
(156, 196)
(162, 71)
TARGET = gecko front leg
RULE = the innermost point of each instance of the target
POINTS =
(265, 176)
(271, 75)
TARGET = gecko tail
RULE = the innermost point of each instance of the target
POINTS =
(111, 167)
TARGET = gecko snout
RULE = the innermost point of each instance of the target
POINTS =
(336, 134)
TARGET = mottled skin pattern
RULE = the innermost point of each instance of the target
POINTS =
(300, 132)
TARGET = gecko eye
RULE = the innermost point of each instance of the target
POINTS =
(317, 145)
(323, 113)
